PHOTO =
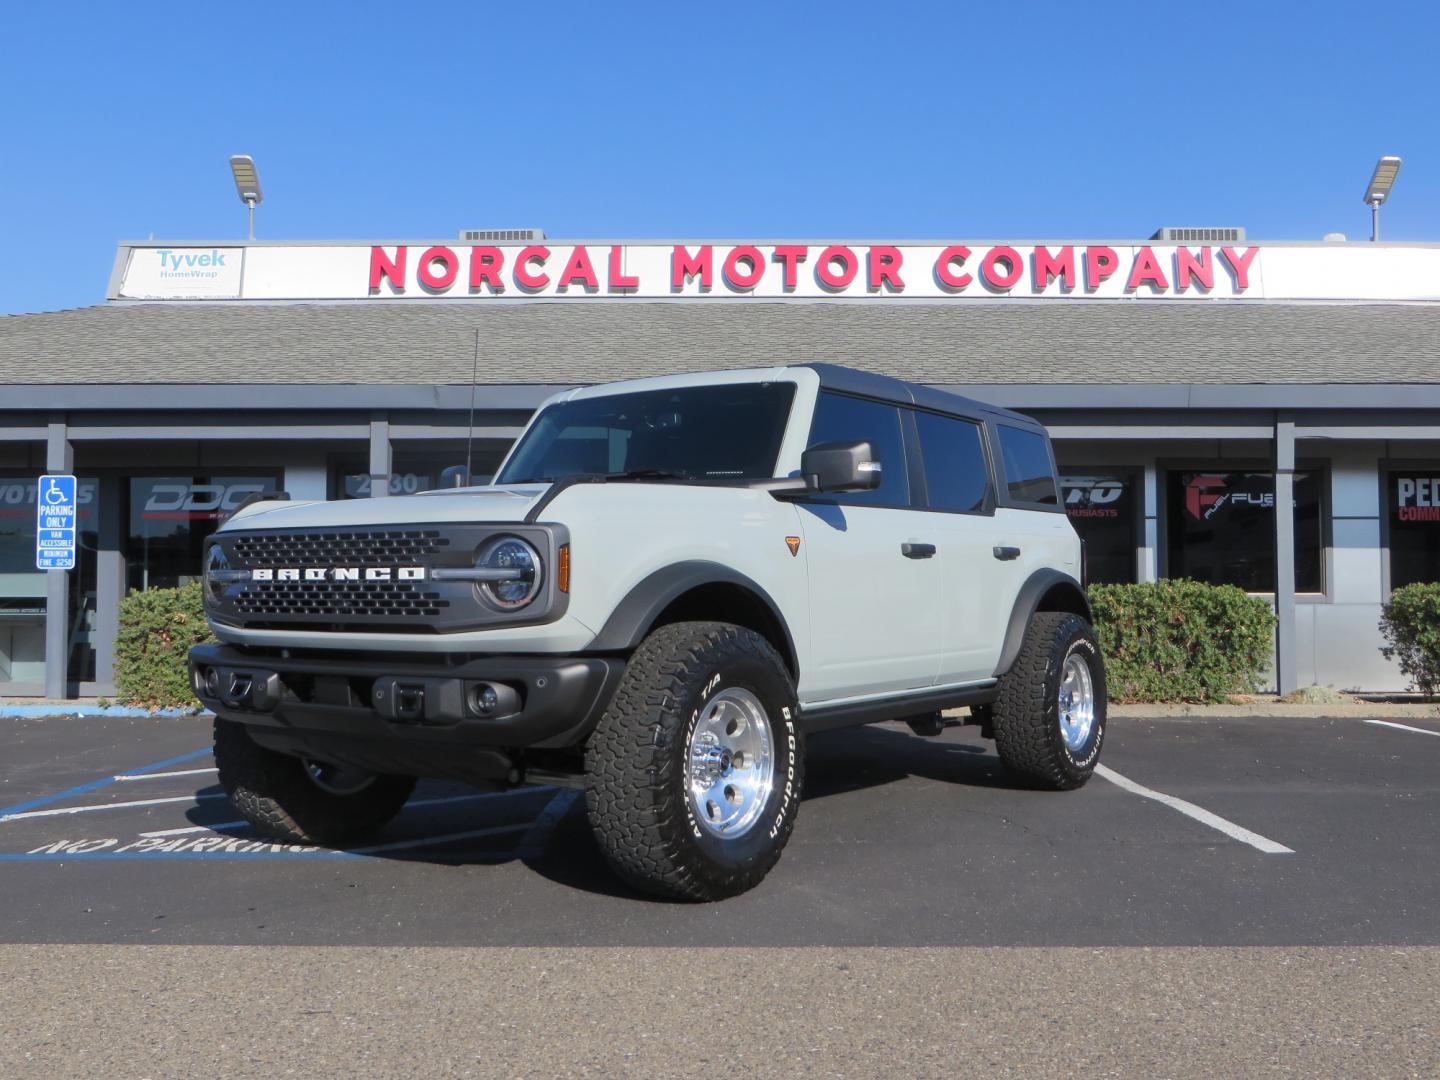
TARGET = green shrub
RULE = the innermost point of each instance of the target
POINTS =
(1179, 640)
(1410, 622)
(157, 628)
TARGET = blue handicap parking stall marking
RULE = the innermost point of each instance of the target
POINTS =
(532, 813)
(95, 785)
(55, 519)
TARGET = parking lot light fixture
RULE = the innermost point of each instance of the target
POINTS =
(247, 184)
(1383, 179)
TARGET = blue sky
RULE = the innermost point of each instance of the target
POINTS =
(805, 120)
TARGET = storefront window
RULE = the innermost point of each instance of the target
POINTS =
(23, 590)
(1102, 507)
(416, 472)
(170, 517)
(1413, 506)
(1221, 529)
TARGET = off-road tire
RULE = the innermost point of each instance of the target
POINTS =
(636, 768)
(274, 793)
(1025, 717)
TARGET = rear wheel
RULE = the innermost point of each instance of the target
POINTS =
(300, 800)
(694, 772)
(1049, 720)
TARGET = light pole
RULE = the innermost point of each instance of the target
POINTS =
(247, 184)
(1386, 169)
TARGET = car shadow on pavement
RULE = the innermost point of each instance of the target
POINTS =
(837, 763)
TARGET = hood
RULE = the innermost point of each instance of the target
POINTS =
(479, 504)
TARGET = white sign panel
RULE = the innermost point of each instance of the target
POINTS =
(183, 273)
(960, 271)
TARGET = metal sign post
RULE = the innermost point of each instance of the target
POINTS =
(56, 517)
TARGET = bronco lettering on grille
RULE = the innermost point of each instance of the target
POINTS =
(337, 573)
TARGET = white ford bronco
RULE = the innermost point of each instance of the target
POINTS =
(670, 583)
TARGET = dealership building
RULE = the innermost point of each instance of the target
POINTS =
(1262, 414)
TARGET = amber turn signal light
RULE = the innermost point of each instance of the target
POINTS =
(562, 573)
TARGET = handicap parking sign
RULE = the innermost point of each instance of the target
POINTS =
(55, 518)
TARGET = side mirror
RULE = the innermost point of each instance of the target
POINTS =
(840, 466)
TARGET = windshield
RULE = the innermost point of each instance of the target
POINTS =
(723, 432)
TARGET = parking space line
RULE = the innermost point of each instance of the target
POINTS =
(1403, 727)
(163, 775)
(532, 844)
(69, 793)
(428, 841)
(1197, 813)
(415, 804)
(61, 810)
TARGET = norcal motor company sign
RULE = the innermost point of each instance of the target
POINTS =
(566, 270)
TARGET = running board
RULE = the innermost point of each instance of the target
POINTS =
(895, 708)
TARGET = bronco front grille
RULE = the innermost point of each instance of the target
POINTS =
(339, 599)
(388, 547)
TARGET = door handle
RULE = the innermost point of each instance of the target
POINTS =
(1005, 552)
(917, 551)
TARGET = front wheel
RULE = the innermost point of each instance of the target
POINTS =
(1049, 720)
(303, 801)
(694, 772)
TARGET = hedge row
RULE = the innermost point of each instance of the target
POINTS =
(1169, 640)
(1179, 640)
(1411, 625)
(157, 629)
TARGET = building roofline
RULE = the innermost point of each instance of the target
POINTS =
(691, 241)
(285, 397)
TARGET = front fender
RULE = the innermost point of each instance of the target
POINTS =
(1027, 602)
(633, 616)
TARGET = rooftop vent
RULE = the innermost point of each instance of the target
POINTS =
(502, 236)
(1199, 236)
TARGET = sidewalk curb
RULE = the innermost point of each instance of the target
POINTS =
(74, 709)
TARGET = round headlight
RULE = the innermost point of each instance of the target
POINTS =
(520, 565)
(215, 582)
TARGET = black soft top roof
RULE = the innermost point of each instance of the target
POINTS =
(848, 380)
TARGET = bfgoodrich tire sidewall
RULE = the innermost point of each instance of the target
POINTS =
(1079, 642)
(726, 856)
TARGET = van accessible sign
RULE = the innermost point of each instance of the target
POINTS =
(55, 520)
(866, 271)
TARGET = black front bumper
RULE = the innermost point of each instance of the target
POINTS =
(402, 707)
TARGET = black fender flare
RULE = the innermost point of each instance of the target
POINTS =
(1026, 603)
(633, 616)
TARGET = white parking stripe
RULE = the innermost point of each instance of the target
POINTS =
(1198, 813)
(1403, 727)
(425, 841)
(107, 806)
(164, 775)
(473, 796)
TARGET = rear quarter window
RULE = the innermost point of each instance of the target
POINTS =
(1029, 474)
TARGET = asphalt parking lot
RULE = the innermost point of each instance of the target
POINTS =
(1217, 832)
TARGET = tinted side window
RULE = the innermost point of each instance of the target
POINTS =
(956, 475)
(1028, 475)
(846, 419)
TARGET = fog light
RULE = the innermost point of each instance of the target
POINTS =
(486, 699)
(212, 682)
(492, 699)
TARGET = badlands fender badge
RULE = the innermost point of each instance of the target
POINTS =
(793, 543)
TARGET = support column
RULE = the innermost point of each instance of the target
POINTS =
(1147, 559)
(1286, 651)
(59, 458)
(380, 455)
(110, 574)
